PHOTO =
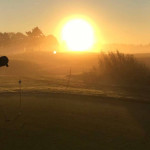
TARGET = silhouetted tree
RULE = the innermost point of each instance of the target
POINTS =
(20, 36)
(33, 40)
(36, 32)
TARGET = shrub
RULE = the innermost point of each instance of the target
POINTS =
(119, 68)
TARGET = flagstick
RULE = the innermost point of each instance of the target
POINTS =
(20, 104)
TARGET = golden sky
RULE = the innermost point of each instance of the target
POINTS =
(118, 21)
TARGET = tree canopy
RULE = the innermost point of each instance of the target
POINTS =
(31, 40)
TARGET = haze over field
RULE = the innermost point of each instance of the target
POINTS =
(119, 22)
(74, 75)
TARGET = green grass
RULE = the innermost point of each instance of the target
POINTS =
(59, 84)
(66, 121)
(76, 117)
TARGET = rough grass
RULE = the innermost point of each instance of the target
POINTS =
(118, 68)
(59, 84)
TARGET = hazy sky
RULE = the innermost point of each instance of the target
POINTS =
(120, 21)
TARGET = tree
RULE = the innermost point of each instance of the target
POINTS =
(35, 33)
(19, 36)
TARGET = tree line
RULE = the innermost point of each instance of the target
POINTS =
(30, 41)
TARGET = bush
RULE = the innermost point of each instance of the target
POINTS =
(119, 68)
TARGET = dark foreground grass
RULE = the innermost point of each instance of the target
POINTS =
(73, 122)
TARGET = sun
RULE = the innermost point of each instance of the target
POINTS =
(78, 35)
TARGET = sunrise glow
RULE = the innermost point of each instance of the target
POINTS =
(78, 35)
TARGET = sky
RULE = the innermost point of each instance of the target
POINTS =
(119, 21)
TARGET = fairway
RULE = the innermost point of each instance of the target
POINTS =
(72, 122)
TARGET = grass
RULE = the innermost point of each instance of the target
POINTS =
(118, 68)
(59, 84)
(57, 116)
(61, 121)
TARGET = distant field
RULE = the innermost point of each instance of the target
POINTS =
(46, 63)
